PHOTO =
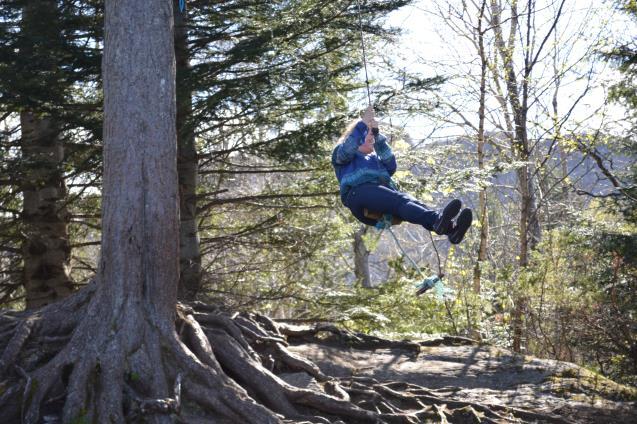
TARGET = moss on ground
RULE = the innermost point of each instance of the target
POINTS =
(572, 381)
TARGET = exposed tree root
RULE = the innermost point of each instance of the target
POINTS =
(330, 334)
(79, 360)
(15, 344)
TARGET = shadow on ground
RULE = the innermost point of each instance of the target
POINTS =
(488, 375)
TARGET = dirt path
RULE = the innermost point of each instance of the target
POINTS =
(488, 375)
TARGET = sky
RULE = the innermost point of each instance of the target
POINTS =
(429, 46)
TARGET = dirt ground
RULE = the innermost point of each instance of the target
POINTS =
(487, 375)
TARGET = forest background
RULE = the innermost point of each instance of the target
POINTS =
(529, 117)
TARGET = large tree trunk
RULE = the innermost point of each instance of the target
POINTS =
(133, 309)
(187, 168)
(140, 209)
(46, 250)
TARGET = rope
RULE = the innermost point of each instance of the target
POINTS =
(360, 23)
(430, 282)
(440, 273)
(415, 265)
(385, 221)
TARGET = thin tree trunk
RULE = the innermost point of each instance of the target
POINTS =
(361, 258)
(46, 249)
(484, 219)
(187, 168)
(535, 230)
(519, 148)
(562, 156)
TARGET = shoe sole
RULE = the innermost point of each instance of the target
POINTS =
(448, 213)
(462, 225)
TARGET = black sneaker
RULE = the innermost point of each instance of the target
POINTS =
(444, 225)
(462, 225)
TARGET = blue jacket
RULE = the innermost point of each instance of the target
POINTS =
(354, 168)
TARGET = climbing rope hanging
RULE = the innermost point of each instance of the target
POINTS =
(362, 36)
(385, 222)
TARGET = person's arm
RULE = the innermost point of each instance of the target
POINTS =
(384, 153)
(345, 152)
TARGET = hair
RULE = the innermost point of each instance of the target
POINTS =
(348, 130)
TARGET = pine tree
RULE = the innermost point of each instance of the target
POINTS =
(41, 64)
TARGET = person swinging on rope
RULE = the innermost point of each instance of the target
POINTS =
(364, 163)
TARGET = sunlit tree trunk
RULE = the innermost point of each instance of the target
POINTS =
(518, 101)
(46, 250)
(482, 205)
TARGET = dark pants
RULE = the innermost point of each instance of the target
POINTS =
(378, 198)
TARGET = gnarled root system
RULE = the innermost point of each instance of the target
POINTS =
(84, 360)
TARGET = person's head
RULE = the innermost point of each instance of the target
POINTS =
(362, 135)
(368, 144)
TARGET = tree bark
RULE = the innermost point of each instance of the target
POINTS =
(520, 146)
(140, 210)
(130, 319)
(484, 218)
(46, 249)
